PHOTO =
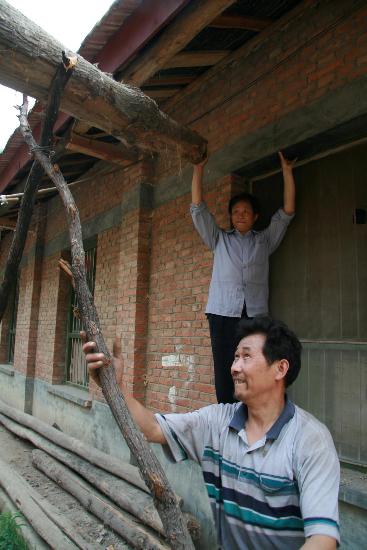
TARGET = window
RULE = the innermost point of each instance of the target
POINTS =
(13, 305)
(76, 371)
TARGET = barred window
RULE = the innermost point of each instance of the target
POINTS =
(76, 367)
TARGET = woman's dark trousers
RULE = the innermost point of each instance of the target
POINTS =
(223, 339)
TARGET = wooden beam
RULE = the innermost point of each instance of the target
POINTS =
(141, 25)
(67, 161)
(101, 150)
(196, 59)
(8, 223)
(195, 17)
(170, 80)
(248, 23)
(29, 57)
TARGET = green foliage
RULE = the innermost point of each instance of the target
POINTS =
(10, 535)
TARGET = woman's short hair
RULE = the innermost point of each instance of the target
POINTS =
(244, 197)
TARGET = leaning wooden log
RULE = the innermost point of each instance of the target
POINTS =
(28, 533)
(28, 60)
(58, 83)
(28, 502)
(95, 456)
(152, 472)
(120, 522)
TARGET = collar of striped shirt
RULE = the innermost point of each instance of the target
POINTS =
(239, 418)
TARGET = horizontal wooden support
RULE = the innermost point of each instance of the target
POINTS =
(28, 61)
(101, 150)
(196, 59)
(170, 80)
(7, 223)
(193, 18)
(248, 23)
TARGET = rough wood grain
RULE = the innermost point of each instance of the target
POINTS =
(134, 534)
(94, 456)
(28, 533)
(195, 17)
(152, 472)
(62, 75)
(29, 57)
(28, 502)
(124, 494)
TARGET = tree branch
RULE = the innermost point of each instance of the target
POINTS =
(59, 81)
(152, 472)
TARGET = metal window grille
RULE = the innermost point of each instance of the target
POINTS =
(77, 371)
(13, 323)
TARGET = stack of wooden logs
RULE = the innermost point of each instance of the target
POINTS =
(109, 488)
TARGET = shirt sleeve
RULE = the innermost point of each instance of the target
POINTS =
(205, 224)
(277, 228)
(318, 476)
(185, 433)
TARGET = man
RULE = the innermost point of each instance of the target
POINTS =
(270, 468)
(239, 286)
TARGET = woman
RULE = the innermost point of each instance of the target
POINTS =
(240, 279)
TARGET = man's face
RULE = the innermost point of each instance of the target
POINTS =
(243, 217)
(253, 377)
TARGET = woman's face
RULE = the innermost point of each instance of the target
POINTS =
(243, 217)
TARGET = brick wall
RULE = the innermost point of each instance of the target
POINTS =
(316, 48)
(179, 374)
(153, 271)
(4, 327)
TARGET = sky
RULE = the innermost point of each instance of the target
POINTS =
(69, 21)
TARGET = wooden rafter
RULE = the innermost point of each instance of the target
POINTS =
(28, 61)
(195, 17)
(104, 151)
(256, 24)
(8, 223)
(169, 80)
(196, 58)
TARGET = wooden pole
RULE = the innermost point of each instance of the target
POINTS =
(93, 455)
(40, 514)
(152, 472)
(135, 534)
(58, 84)
(29, 57)
(128, 497)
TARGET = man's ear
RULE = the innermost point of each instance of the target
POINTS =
(281, 369)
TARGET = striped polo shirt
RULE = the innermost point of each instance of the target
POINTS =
(271, 494)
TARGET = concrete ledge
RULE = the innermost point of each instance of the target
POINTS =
(69, 393)
(353, 488)
(7, 369)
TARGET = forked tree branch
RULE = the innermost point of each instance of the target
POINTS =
(152, 472)
(59, 81)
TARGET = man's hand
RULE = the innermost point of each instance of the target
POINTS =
(143, 417)
(96, 360)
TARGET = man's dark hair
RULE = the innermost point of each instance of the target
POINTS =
(244, 197)
(280, 343)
